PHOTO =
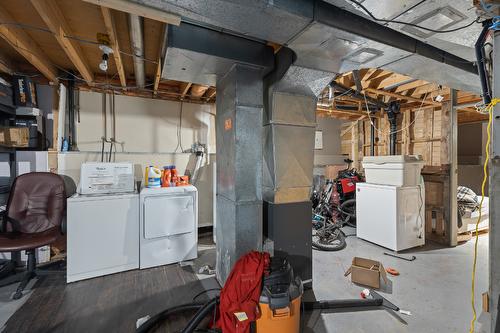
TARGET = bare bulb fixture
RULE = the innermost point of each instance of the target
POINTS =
(106, 51)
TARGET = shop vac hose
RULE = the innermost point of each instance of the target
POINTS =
(200, 315)
(148, 325)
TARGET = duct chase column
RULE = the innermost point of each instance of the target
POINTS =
(239, 165)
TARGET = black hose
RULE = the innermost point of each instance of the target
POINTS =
(153, 321)
(200, 315)
(481, 68)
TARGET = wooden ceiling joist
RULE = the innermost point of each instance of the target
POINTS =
(159, 59)
(27, 47)
(184, 89)
(401, 97)
(6, 65)
(56, 22)
(139, 9)
(109, 22)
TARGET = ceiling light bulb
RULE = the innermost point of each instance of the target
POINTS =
(104, 63)
(439, 98)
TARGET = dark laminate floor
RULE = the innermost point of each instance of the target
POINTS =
(107, 304)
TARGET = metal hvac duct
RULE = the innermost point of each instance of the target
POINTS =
(339, 45)
(291, 93)
(137, 44)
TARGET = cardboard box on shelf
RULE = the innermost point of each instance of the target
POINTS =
(14, 136)
(367, 272)
(332, 170)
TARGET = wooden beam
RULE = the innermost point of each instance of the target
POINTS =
(139, 9)
(210, 93)
(27, 47)
(184, 89)
(402, 97)
(54, 19)
(6, 65)
(159, 58)
(109, 22)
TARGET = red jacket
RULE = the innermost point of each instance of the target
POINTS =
(240, 296)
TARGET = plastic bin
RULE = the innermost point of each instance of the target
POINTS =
(397, 170)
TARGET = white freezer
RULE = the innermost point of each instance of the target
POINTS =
(102, 235)
(391, 216)
(168, 225)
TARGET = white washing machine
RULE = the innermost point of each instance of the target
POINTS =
(168, 225)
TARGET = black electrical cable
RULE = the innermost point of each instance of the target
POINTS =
(153, 321)
(204, 292)
(411, 24)
(200, 315)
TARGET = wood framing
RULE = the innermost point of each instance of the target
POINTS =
(55, 21)
(160, 59)
(109, 22)
(5, 65)
(140, 10)
(428, 132)
(27, 47)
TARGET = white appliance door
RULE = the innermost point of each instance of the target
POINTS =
(168, 215)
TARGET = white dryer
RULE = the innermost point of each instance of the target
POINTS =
(168, 225)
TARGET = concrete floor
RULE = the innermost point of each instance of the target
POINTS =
(435, 288)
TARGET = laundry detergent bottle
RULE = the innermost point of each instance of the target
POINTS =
(152, 177)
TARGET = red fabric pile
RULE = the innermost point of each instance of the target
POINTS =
(239, 299)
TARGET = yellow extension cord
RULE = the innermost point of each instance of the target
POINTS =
(489, 109)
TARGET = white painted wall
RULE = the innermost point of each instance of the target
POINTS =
(147, 130)
(331, 152)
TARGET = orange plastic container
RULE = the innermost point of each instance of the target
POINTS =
(175, 178)
(166, 177)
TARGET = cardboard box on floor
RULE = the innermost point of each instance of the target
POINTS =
(367, 272)
(332, 170)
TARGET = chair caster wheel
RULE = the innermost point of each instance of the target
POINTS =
(17, 295)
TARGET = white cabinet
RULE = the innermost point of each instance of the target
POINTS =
(391, 216)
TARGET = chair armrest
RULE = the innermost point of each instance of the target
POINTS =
(4, 219)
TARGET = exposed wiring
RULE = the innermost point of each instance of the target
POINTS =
(489, 108)
(411, 24)
(77, 38)
(179, 131)
(397, 131)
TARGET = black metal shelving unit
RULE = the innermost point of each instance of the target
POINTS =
(7, 118)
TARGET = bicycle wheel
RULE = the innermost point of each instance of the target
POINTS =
(328, 239)
(348, 211)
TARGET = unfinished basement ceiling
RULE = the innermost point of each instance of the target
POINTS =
(322, 46)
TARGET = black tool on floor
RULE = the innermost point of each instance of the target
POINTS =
(400, 257)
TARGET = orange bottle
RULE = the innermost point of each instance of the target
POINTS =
(166, 177)
(174, 177)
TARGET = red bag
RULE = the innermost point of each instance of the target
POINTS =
(239, 298)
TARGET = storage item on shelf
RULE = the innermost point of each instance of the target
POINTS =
(391, 216)
(397, 170)
(6, 97)
(152, 177)
(24, 91)
(14, 136)
(102, 178)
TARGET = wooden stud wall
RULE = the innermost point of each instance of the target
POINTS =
(423, 132)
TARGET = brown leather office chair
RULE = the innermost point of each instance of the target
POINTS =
(35, 210)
